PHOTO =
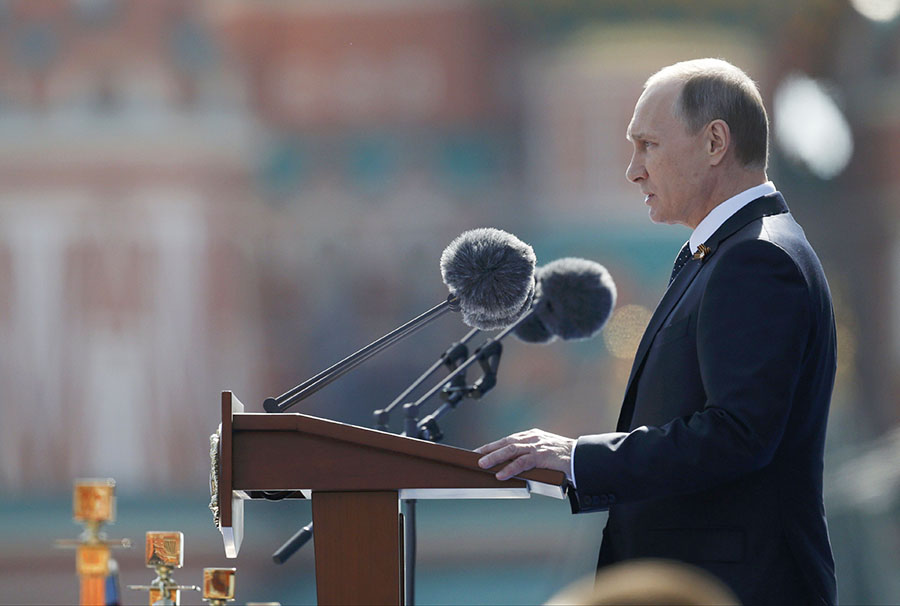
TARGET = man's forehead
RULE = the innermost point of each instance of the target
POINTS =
(656, 99)
(638, 127)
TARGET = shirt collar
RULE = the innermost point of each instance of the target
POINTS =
(721, 213)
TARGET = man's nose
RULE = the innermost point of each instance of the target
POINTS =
(635, 171)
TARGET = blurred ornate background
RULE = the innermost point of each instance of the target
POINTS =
(200, 196)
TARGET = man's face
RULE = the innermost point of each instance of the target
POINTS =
(668, 164)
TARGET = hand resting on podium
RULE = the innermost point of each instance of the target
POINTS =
(533, 448)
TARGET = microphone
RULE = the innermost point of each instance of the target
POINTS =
(574, 299)
(490, 275)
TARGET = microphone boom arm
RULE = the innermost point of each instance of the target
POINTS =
(331, 374)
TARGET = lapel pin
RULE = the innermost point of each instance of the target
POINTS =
(702, 251)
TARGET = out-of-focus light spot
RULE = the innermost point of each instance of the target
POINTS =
(846, 359)
(810, 128)
(877, 10)
(870, 480)
(623, 332)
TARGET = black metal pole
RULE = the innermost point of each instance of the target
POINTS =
(293, 544)
(409, 550)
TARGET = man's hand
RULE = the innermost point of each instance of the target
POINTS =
(527, 450)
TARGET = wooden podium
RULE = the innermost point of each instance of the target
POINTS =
(356, 478)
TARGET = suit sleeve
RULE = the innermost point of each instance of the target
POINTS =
(752, 329)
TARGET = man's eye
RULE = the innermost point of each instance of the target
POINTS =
(647, 144)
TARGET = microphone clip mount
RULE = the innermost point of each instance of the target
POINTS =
(489, 360)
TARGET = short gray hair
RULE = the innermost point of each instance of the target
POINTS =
(714, 89)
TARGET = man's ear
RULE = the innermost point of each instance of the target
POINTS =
(717, 141)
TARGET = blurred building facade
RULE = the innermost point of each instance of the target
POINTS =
(234, 195)
(124, 179)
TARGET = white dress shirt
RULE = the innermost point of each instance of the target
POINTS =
(721, 213)
(705, 229)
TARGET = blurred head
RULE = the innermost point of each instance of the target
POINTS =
(700, 135)
(648, 582)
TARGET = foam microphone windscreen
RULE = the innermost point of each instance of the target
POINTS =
(491, 272)
(573, 300)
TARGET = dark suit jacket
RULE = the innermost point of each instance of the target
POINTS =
(718, 455)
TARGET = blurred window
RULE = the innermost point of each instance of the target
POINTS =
(470, 160)
(285, 165)
(373, 161)
(193, 49)
(96, 13)
(35, 45)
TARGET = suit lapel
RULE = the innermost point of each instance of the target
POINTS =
(772, 204)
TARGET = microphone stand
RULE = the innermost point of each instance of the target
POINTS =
(488, 357)
(451, 358)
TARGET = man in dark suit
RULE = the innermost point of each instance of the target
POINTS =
(718, 454)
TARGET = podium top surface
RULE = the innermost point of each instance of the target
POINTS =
(293, 451)
(373, 438)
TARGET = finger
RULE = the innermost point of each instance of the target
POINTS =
(528, 436)
(491, 447)
(499, 456)
(519, 465)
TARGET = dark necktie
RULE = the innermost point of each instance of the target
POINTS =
(683, 257)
